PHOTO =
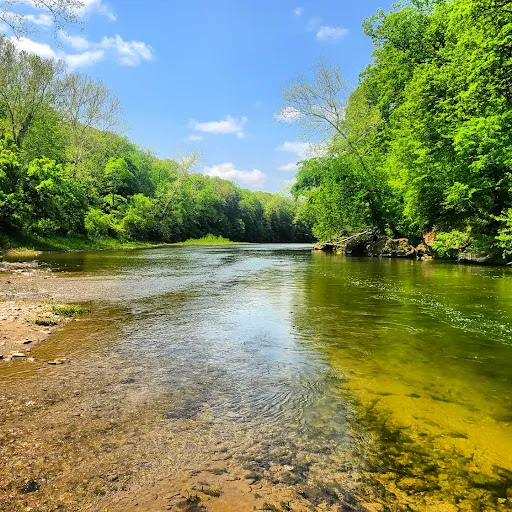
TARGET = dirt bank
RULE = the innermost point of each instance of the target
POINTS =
(27, 319)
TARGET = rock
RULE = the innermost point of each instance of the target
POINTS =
(30, 486)
(18, 354)
(59, 360)
(398, 248)
(328, 246)
(423, 251)
(31, 359)
(27, 342)
(429, 238)
(482, 258)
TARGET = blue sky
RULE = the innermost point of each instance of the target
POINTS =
(206, 75)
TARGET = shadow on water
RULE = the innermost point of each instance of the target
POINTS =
(266, 376)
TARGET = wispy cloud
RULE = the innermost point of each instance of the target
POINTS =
(326, 33)
(126, 53)
(331, 34)
(85, 59)
(298, 11)
(195, 138)
(288, 115)
(43, 20)
(228, 125)
(96, 7)
(301, 149)
(291, 167)
(228, 171)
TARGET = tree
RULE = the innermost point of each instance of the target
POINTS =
(28, 85)
(86, 105)
(61, 12)
(115, 176)
(321, 103)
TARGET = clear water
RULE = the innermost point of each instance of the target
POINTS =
(341, 382)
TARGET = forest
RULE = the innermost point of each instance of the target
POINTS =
(424, 142)
(425, 139)
(65, 173)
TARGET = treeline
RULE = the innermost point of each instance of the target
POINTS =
(425, 140)
(65, 172)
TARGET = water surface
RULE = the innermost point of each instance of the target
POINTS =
(312, 381)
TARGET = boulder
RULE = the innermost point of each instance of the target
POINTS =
(482, 258)
(398, 248)
(328, 246)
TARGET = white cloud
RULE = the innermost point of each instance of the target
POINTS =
(291, 167)
(288, 115)
(40, 19)
(86, 59)
(227, 171)
(29, 46)
(331, 34)
(98, 7)
(301, 149)
(298, 11)
(289, 183)
(127, 53)
(76, 42)
(195, 138)
(223, 127)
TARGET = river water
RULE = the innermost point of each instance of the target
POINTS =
(263, 377)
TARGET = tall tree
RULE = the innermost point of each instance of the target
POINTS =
(86, 105)
(28, 83)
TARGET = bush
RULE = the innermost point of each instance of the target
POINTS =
(504, 237)
(448, 245)
(97, 223)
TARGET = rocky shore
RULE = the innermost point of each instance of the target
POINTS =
(27, 321)
(371, 243)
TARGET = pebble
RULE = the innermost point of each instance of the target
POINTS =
(59, 360)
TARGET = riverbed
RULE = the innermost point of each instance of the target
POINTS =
(261, 377)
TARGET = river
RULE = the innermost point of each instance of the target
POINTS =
(263, 377)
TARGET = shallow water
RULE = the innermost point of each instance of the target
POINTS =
(326, 383)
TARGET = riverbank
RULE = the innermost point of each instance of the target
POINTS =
(433, 245)
(27, 320)
(36, 245)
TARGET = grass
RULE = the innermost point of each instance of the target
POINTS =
(53, 314)
(33, 244)
(47, 322)
(69, 309)
(210, 240)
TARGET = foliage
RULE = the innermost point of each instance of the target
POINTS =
(447, 245)
(67, 181)
(425, 140)
(505, 233)
(209, 240)
(69, 309)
